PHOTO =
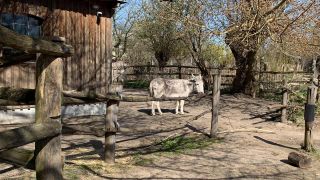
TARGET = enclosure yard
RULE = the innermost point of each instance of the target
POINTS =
(250, 145)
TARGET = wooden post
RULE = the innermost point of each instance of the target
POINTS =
(111, 127)
(309, 115)
(179, 70)
(215, 104)
(49, 72)
(284, 102)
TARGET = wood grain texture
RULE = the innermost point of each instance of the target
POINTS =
(76, 21)
(215, 104)
(27, 44)
(48, 105)
(24, 135)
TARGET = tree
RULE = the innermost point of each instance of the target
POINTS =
(250, 24)
(124, 21)
(156, 26)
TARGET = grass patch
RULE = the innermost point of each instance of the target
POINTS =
(139, 160)
(315, 153)
(183, 143)
(139, 84)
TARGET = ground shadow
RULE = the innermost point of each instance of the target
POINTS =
(273, 143)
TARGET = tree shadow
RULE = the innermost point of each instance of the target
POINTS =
(273, 143)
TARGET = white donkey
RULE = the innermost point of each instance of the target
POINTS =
(174, 88)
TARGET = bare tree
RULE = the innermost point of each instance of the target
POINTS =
(124, 21)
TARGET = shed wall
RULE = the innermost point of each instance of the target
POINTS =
(89, 68)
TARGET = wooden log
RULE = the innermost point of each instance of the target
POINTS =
(19, 157)
(311, 99)
(24, 135)
(299, 160)
(82, 129)
(19, 96)
(30, 45)
(14, 60)
(111, 127)
(49, 71)
(215, 104)
(284, 103)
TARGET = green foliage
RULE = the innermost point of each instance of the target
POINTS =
(218, 55)
(182, 143)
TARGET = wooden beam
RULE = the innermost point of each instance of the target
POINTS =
(19, 157)
(31, 45)
(14, 60)
(20, 96)
(24, 135)
(49, 72)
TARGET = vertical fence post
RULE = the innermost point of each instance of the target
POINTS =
(284, 102)
(180, 72)
(215, 104)
(309, 114)
(111, 126)
(49, 72)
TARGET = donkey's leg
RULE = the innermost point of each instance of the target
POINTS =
(158, 106)
(181, 106)
(177, 108)
(153, 112)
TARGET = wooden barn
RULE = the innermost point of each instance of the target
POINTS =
(85, 24)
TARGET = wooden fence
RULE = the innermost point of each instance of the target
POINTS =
(266, 80)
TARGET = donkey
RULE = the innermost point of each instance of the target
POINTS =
(174, 88)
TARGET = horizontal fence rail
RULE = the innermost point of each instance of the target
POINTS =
(266, 80)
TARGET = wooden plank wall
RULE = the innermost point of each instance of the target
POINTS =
(89, 68)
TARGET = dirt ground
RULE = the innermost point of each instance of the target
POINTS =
(250, 145)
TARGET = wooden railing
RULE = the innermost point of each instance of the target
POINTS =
(266, 80)
(46, 132)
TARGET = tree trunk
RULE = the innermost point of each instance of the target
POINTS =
(162, 59)
(244, 82)
(205, 73)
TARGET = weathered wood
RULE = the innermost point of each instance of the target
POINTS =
(19, 157)
(215, 104)
(284, 103)
(82, 129)
(48, 105)
(111, 127)
(20, 96)
(24, 135)
(14, 60)
(30, 45)
(299, 160)
(311, 99)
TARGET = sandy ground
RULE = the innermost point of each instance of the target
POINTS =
(234, 155)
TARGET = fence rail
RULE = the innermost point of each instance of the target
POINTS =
(266, 80)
